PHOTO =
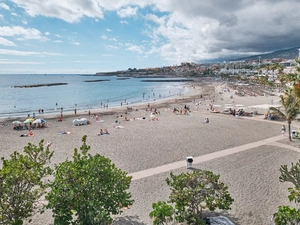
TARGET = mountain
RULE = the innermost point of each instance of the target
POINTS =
(290, 53)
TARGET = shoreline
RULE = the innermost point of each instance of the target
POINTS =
(138, 145)
(110, 110)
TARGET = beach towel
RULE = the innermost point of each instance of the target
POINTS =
(119, 127)
(65, 132)
(103, 134)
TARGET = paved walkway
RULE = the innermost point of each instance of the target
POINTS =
(204, 158)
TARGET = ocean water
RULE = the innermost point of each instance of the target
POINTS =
(78, 93)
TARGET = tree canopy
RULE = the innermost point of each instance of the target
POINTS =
(23, 183)
(88, 190)
(191, 193)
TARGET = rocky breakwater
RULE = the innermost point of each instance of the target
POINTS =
(39, 85)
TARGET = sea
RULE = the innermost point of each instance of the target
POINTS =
(83, 92)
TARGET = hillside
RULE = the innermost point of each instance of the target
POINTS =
(291, 53)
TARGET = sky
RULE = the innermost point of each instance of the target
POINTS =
(89, 36)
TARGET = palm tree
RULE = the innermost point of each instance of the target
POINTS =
(282, 79)
(291, 105)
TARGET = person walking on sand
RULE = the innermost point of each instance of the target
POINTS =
(283, 130)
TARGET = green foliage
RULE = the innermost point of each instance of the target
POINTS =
(23, 183)
(292, 175)
(88, 190)
(191, 193)
(286, 214)
(162, 213)
(291, 107)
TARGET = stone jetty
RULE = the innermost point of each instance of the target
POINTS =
(39, 85)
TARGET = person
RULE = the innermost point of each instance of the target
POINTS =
(283, 130)
(206, 120)
(75, 111)
(30, 133)
(106, 131)
(48, 144)
(101, 132)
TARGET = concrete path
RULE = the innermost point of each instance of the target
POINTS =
(204, 158)
(207, 157)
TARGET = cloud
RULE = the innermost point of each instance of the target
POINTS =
(155, 19)
(22, 33)
(6, 42)
(108, 30)
(111, 47)
(47, 33)
(104, 37)
(25, 53)
(15, 14)
(113, 39)
(204, 30)
(19, 63)
(68, 10)
(75, 43)
(57, 41)
(180, 31)
(4, 6)
(134, 48)
(127, 12)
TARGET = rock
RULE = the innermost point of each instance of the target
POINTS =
(218, 220)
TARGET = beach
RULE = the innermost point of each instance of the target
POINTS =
(246, 151)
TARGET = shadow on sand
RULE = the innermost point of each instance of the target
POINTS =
(128, 220)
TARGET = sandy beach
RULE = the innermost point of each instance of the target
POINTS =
(246, 151)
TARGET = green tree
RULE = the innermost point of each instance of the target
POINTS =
(282, 79)
(88, 190)
(162, 213)
(23, 182)
(286, 214)
(191, 193)
(293, 78)
(290, 103)
(263, 80)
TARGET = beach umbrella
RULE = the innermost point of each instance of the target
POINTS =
(16, 122)
(29, 120)
(39, 121)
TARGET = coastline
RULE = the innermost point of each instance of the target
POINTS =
(18, 102)
(142, 104)
(139, 145)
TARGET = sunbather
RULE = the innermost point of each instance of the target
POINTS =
(206, 120)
